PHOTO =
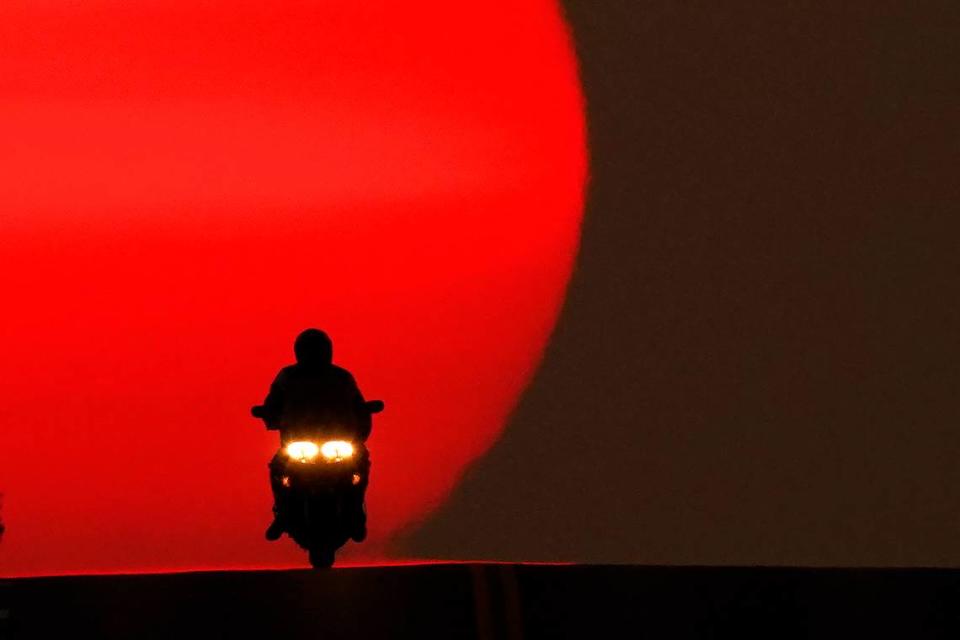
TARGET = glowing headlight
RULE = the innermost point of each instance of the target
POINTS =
(303, 451)
(336, 450)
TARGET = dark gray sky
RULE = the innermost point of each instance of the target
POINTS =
(759, 358)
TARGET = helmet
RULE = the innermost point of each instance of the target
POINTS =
(313, 348)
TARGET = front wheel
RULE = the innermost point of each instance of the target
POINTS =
(321, 557)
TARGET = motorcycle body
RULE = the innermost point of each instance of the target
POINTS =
(320, 491)
(319, 479)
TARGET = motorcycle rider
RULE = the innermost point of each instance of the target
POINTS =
(310, 397)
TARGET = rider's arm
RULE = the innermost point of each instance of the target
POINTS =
(273, 403)
(363, 415)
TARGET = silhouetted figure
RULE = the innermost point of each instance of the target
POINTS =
(316, 398)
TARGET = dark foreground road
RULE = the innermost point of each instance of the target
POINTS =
(490, 601)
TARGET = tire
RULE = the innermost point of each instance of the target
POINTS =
(321, 557)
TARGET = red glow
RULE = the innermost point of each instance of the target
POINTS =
(186, 185)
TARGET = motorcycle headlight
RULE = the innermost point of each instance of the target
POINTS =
(336, 450)
(303, 450)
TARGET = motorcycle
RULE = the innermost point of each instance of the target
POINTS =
(319, 485)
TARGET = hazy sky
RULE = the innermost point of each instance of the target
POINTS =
(758, 358)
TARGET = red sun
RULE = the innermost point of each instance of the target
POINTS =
(185, 186)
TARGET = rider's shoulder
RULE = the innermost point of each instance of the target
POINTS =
(341, 372)
(287, 372)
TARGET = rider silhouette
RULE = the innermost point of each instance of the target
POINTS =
(310, 398)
